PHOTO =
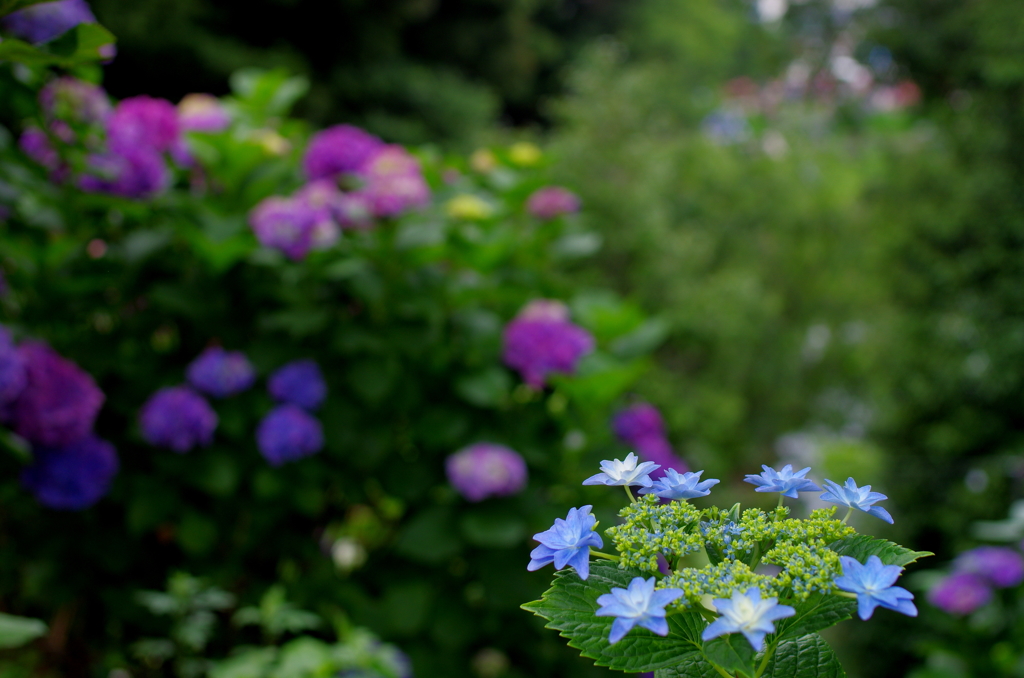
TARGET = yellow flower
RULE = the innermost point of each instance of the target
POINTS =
(524, 154)
(467, 206)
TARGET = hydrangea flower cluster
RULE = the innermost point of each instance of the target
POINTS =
(127, 148)
(52, 403)
(288, 433)
(177, 418)
(976, 573)
(354, 177)
(541, 340)
(44, 22)
(823, 568)
(641, 427)
(552, 201)
(486, 470)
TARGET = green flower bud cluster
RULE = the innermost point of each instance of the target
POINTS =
(716, 581)
(652, 529)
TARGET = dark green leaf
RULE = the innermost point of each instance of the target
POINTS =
(861, 546)
(8, 6)
(814, 614)
(693, 666)
(15, 631)
(642, 340)
(492, 529)
(16, 445)
(732, 652)
(805, 657)
(78, 46)
(569, 606)
(486, 388)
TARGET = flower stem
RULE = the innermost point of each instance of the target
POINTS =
(632, 499)
(721, 671)
(778, 506)
(606, 556)
(849, 512)
(764, 662)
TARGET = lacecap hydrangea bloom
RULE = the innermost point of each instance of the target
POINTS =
(288, 433)
(630, 471)
(853, 497)
(59, 402)
(221, 373)
(342, 149)
(284, 224)
(202, 113)
(73, 477)
(749, 614)
(674, 485)
(300, 383)
(177, 418)
(12, 368)
(537, 346)
(47, 20)
(552, 201)
(787, 481)
(961, 593)
(567, 543)
(872, 582)
(637, 605)
(486, 470)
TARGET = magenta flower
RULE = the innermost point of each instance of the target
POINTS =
(59, 402)
(552, 201)
(202, 113)
(960, 593)
(288, 433)
(284, 224)
(130, 172)
(177, 418)
(338, 150)
(536, 347)
(221, 373)
(1000, 566)
(486, 470)
(143, 121)
(73, 477)
(393, 182)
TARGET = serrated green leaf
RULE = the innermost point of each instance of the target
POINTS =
(569, 606)
(814, 614)
(732, 652)
(693, 666)
(861, 546)
(805, 657)
(15, 631)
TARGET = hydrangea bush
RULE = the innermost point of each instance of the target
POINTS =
(697, 592)
(267, 355)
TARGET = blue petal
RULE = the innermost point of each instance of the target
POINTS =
(656, 624)
(598, 479)
(720, 627)
(620, 627)
(866, 605)
(879, 512)
(756, 638)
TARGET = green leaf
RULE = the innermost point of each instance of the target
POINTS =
(492, 529)
(814, 614)
(304, 656)
(569, 606)
(486, 388)
(732, 652)
(248, 663)
(805, 657)
(16, 445)
(861, 546)
(693, 666)
(642, 340)
(78, 46)
(8, 6)
(15, 631)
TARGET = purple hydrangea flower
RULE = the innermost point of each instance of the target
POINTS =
(338, 150)
(624, 472)
(1000, 566)
(860, 498)
(353, 210)
(12, 367)
(787, 481)
(394, 182)
(636, 422)
(73, 477)
(221, 373)
(960, 593)
(75, 100)
(567, 542)
(748, 614)
(143, 121)
(284, 224)
(680, 486)
(36, 145)
(544, 309)
(322, 197)
(638, 605)
(486, 470)
(60, 401)
(177, 418)
(299, 383)
(536, 347)
(659, 450)
(552, 201)
(45, 21)
(873, 584)
(130, 172)
(288, 433)
(202, 113)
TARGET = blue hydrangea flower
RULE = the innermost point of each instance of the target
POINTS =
(177, 418)
(873, 584)
(860, 498)
(748, 614)
(638, 605)
(12, 368)
(567, 542)
(299, 383)
(73, 477)
(221, 373)
(627, 472)
(786, 481)
(675, 485)
(288, 433)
